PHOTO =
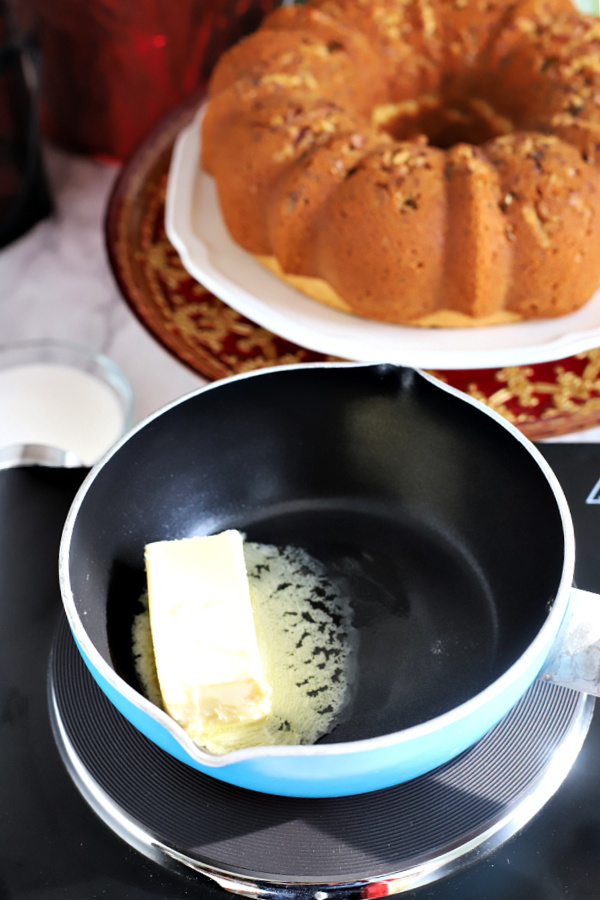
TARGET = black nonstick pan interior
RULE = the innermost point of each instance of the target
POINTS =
(437, 521)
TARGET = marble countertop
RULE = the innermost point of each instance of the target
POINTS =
(56, 282)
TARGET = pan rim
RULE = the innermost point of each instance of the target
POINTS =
(556, 611)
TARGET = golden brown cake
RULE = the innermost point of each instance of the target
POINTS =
(426, 162)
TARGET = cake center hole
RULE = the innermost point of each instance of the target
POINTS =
(471, 121)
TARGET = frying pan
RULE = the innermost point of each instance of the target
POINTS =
(450, 533)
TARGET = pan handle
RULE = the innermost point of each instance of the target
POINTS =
(574, 660)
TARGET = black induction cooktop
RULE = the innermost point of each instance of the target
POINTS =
(53, 845)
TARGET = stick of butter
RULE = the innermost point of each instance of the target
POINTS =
(202, 625)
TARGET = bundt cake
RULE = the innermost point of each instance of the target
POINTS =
(427, 162)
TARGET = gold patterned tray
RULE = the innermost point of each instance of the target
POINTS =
(543, 400)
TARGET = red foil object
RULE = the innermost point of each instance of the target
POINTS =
(113, 68)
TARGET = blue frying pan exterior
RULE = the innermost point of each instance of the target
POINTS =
(332, 770)
(469, 471)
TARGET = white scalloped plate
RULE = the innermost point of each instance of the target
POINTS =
(195, 227)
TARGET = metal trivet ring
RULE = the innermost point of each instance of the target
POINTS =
(260, 845)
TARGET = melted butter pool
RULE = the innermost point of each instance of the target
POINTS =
(308, 648)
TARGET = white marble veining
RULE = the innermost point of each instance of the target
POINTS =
(56, 282)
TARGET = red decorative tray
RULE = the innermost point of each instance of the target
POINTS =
(542, 400)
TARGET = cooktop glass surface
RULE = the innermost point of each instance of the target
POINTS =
(52, 845)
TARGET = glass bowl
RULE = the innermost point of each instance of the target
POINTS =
(61, 404)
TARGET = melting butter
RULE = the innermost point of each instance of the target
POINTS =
(307, 646)
(205, 648)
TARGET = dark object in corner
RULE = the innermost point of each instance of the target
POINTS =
(24, 193)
